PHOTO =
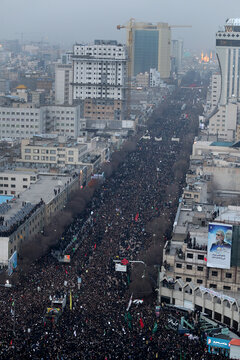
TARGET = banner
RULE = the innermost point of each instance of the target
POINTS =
(219, 245)
(172, 323)
(120, 267)
(12, 263)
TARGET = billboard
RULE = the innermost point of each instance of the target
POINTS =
(12, 263)
(219, 245)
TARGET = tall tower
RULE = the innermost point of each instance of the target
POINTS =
(228, 53)
(149, 47)
(225, 119)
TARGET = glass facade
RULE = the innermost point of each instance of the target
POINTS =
(145, 50)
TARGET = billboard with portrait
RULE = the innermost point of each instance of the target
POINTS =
(219, 245)
(12, 263)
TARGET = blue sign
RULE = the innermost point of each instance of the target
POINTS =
(12, 263)
(220, 343)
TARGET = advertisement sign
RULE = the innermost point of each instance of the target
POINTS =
(120, 267)
(219, 245)
(217, 342)
(12, 263)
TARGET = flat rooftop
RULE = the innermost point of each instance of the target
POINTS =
(42, 189)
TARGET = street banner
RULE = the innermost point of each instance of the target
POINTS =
(120, 267)
(219, 245)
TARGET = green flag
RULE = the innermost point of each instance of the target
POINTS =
(155, 328)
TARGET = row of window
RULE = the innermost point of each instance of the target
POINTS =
(18, 113)
(12, 178)
(189, 267)
(213, 286)
(44, 151)
(47, 158)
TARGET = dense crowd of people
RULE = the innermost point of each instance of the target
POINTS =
(100, 320)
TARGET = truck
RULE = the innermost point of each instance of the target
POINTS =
(55, 310)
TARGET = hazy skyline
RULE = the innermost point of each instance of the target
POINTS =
(73, 21)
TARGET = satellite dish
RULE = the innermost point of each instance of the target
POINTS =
(199, 208)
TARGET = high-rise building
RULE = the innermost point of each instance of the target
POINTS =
(228, 54)
(149, 47)
(99, 72)
(176, 55)
(63, 87)
(225, 119)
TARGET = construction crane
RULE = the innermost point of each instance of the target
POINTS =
(180, 26)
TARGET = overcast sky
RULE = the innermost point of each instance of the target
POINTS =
(68, 21)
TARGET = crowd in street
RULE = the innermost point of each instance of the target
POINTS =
(100, 321)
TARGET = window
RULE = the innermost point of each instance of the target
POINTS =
(227, 288)
(52, 158)
(24, 186)
(70, 159)
(188, 279)
(214, 273)
(199, 281)
(189, 267)
(228, 275)
(13, 186)
(214, 286)
(13, 179)
(189, 255)
(200, 268)
(52, 151)
(25, 179)
(27, 150)
(200, 257)
(70, 152)
(36, 151)
(178, 265)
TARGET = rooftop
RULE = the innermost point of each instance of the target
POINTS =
(233, 21)
(43, 189)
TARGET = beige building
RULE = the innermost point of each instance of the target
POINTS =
(52, 150)
(103, 109)
(142, 79)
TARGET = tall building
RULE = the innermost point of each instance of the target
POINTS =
(99, 72)
(176, 55)
(63, 87)
(149, 47)
(225, 120)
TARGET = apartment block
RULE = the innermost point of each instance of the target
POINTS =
(99, 72)
(52, 151)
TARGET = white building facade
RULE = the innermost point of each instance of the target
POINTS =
(224, 122)
(63, 87)
(20, 123)
(99, 70)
